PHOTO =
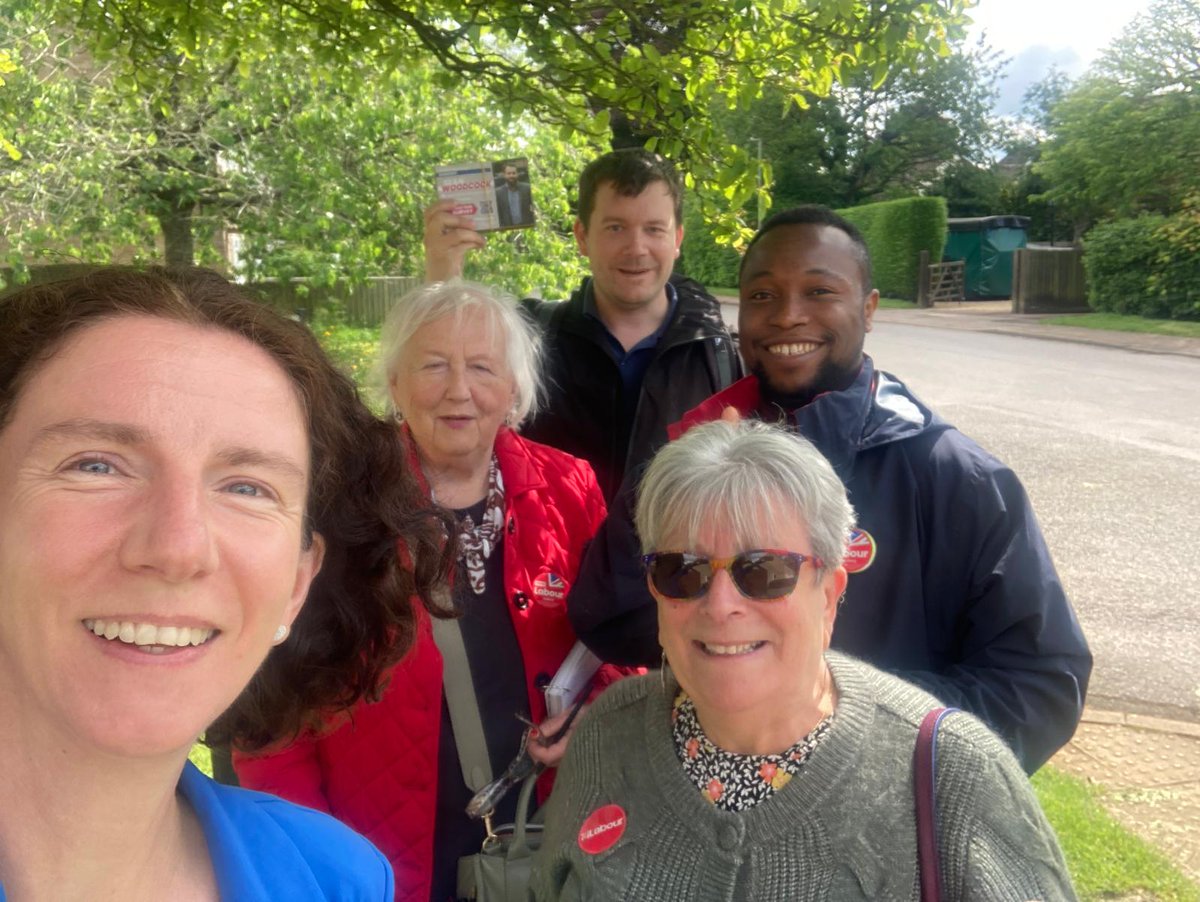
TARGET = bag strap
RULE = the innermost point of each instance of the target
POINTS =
(724, 364)
(924, 769)
(465, 718)
(519, 847)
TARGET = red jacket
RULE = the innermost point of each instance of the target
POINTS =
(378, 773)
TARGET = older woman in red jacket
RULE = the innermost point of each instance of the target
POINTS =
(460, 366)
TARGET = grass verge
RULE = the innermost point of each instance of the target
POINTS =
(352, 348)
(1106, 860)
(1116, 322)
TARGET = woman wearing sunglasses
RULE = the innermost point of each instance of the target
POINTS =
(758, 764)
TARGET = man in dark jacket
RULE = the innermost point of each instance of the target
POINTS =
(634, 348)
(951, 584)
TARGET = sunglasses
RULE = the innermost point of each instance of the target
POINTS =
(762, 574)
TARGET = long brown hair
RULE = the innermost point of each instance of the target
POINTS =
(363, 500)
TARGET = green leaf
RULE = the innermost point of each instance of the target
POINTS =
(879, 74)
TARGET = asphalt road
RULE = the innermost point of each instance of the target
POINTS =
(1107, 443)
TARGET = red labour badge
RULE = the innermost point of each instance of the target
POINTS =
(602, 829)
(860, 551)
(549, 589)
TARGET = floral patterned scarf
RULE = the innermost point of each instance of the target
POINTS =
(476, 542)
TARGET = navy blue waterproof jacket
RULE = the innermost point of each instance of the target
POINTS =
(951, 584)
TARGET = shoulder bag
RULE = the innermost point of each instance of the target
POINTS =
(924, 769)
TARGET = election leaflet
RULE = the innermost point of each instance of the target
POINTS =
(495, 195)
(573, 676)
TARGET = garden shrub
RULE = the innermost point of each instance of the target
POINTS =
(1176, 279)
(1119, 257)
(1148, 266)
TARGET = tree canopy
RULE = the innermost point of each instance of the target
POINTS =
(866, 141)
(632, 72)
(309, 128)
(1126, 136)
(317, 171)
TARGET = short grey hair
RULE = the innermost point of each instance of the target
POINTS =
(745, 476)
(521, 340)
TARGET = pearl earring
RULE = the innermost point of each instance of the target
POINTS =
(281, 633)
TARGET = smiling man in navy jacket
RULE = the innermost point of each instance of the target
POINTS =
(951, 584)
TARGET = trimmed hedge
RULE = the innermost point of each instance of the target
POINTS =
(896, 232)
(1146, 266)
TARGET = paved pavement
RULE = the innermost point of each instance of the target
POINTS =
(1146, 769)
(997, 316)
(1147, 773)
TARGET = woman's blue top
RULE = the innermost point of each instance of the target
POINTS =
(264, 848)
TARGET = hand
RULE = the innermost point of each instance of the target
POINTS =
(447, 240)
(551, 755)
(731, 415)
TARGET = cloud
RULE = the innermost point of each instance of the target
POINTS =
(1030, 66)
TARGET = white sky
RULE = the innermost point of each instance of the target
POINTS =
(1039, 33)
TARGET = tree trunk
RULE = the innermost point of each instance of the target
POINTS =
(626, 132)
(175, 219)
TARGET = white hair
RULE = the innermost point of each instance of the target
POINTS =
(748, 476)
(521, 342)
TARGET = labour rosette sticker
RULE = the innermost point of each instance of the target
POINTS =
(602, 829)
(860, 551)
(549, 588)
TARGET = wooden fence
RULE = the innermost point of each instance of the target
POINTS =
(51, 272)
(1049, 280)
(940, 281)
(366, 304)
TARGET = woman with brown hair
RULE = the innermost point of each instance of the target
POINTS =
(180, 468)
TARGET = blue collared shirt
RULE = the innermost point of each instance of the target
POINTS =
(633, 363)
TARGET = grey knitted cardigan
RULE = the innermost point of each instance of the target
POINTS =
(843, 829)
